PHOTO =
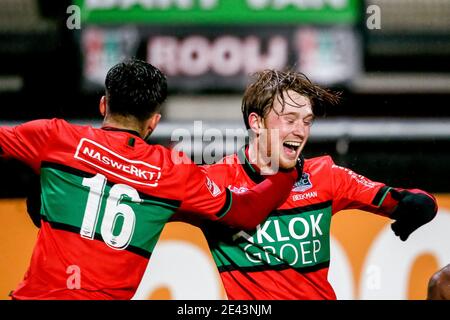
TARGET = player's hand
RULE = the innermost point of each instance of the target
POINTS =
(413, 211)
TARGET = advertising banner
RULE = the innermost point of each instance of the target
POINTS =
(367, 260)
(217, 58)
(223, 12)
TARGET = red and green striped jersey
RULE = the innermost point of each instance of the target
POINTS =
(288, 255)
(106, 195)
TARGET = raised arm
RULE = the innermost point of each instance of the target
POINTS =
(410, 208)
(243, 211)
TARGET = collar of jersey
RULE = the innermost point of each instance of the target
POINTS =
(249, 169)
(120, 129)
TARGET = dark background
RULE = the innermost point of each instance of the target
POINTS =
(49, 63)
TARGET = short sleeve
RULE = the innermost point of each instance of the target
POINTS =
(354, 191)
(26, 142)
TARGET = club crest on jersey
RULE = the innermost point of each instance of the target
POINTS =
(303, 184)
(212, 187)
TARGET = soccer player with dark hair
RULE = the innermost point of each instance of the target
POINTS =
(288, 255)
(106, 193)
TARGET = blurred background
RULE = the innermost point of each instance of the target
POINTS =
(390, 59)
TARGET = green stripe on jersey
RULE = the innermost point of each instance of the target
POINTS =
(117, 214)
(300, 240)
(384, 196)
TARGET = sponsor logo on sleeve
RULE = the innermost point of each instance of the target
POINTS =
(237, 189)
(138, 172)
(357, 177)
(212, 187)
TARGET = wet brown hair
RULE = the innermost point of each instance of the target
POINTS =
(270, 84)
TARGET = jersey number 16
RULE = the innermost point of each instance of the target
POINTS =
(113, 210)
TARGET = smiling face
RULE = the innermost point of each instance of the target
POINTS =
(284, 131)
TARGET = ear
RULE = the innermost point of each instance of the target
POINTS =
(102, 106)
(152, 122)
(255, 122)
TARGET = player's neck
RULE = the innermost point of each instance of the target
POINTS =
(125, 123)
(252, 155)
(260, 160)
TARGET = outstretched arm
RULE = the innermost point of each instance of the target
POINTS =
(26, 142)
(237, 210)
(410, 208)
(250, 208)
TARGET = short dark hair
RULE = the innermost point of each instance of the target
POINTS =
(269, 84)
(136, 88)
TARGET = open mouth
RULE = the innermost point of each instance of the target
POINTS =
(291, 147)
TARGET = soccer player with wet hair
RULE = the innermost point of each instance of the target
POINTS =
(288, 255)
